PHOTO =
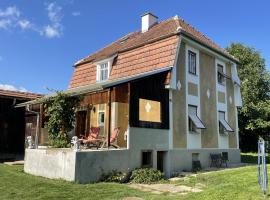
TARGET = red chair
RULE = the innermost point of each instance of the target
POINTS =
(92, 140)
(113, 138)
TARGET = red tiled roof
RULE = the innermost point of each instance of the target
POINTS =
(19, 95)
(141, 52)
(162, 29)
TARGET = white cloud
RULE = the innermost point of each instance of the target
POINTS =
(24, 24)
(5, 23)
(8, 16)
(55, 28)
(51, 32)
(76, 13)
(11, 11)
(11, 18)
(12, 88)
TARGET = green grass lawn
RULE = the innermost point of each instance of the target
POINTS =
(240, 183)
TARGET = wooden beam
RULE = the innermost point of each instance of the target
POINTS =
(109, 118)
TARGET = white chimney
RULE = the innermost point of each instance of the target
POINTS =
(148, 20)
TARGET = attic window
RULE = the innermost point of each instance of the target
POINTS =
(103, 72)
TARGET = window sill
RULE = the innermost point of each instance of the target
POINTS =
(223, 134)
(192, 74)
(222, 84)
(193, 132)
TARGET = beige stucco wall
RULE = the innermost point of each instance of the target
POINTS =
(179, 104)
(193, 89)
(209, 137)
(221, 97)
(231, 109)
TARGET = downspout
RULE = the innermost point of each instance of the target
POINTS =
(37, 126)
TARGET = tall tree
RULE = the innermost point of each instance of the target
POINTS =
(254, 115)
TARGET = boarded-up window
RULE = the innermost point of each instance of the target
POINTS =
(150, 88)
(149, 110)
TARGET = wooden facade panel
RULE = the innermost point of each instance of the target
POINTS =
(151, 88)
(96, 98)
(120, 93)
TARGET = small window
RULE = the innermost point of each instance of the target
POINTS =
(103, 72)
(220, 75)
(192, 62)
(146, 159)
(101, 118)
(224, 127)
(194, 121)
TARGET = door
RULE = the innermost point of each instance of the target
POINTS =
(81, 123)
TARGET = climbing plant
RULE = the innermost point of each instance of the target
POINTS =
(59, 111)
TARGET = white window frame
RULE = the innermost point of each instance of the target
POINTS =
(98, 64)
(99, 121)
(196, 51)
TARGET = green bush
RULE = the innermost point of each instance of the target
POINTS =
(59, 143)
(146, 175)
(115, 176)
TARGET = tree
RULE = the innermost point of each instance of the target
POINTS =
(254, 115)
(60, 112)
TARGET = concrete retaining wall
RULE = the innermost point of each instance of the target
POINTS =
(50, 163)
(181, 159)
(88, 166)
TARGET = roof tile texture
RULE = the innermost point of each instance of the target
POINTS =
(140, 52)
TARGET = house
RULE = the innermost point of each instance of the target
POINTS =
(12, 123)
(172, 91)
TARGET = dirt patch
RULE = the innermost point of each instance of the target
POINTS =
(166, 188)
(132, 198)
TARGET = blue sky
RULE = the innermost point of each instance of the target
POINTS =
(41, 40)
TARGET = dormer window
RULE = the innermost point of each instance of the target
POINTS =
(103, 68)
(103, 72)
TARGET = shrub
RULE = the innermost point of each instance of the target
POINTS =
(146, 175)
(60, 113)
(115, 176)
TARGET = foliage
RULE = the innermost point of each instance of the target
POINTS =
(60, 112)
(254, 115)
(252, 158)
(115, 176)
(146, 175)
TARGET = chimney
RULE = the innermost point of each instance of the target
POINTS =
(148, 20)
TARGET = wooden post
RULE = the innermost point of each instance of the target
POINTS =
(109, 118)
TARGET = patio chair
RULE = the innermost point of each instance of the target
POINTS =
(215, 160)
(93, 134)
(113, 138)
(92, 140)
(224, 158)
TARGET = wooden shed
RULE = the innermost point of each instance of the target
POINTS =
(12, 123)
